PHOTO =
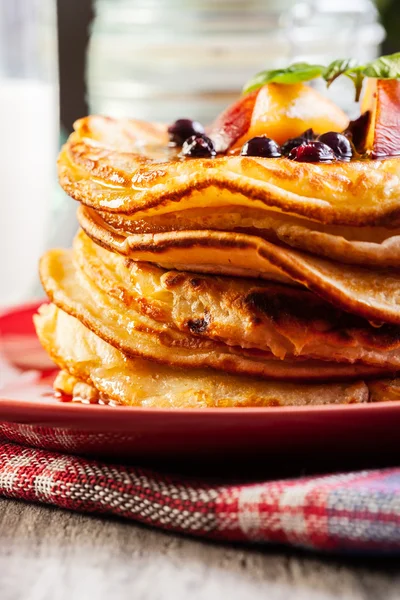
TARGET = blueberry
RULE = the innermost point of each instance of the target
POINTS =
(306, 136)
(182, 129)
(339, 144)
(261, 146)
(312, 152)
(357, 131)
(198, 146)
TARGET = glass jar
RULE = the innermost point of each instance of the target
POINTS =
(159, 61)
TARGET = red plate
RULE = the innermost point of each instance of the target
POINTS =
(29, 413)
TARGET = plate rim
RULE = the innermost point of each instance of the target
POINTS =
(34, 304)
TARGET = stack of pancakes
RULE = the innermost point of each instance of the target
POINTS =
(229, 281)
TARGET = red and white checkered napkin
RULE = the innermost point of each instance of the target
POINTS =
(354, 511)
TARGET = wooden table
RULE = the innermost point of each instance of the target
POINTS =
(49, 554)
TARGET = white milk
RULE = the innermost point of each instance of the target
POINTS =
(28, 149)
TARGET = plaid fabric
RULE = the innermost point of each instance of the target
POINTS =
(349, 512)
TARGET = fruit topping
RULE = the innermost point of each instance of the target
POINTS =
(279, 105)
(279, 111)
(339, 144)
(261, 146)
(198, 146)
(313, 151)
(284, 111)
(382, 100)
(291, 143)
(182, 129)
(357, 131)
(232, 123)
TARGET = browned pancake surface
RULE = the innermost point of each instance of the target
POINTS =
(125, 167)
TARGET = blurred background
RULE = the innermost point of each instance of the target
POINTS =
(149, 59)
(161, 59)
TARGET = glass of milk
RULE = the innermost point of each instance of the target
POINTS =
(28, 141)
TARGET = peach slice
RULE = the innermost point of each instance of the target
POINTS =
(280, 111)
(233, 122)
(382, 99)
(285, 111)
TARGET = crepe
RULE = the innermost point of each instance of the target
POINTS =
(96, 369)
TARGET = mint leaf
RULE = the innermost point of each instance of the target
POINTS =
(385, 67)
(296, 73)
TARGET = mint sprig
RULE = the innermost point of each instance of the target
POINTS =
(384, 67)
(337, 68)
(347, 67)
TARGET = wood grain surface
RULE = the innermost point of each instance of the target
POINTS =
(49, 554)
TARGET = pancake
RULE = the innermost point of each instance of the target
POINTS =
(136, 334)
(226, 281)
(368, 246)
(125, 167)
(97, 369)
(373, 294)
(332, 228)
(118, 169)
(287, 322)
